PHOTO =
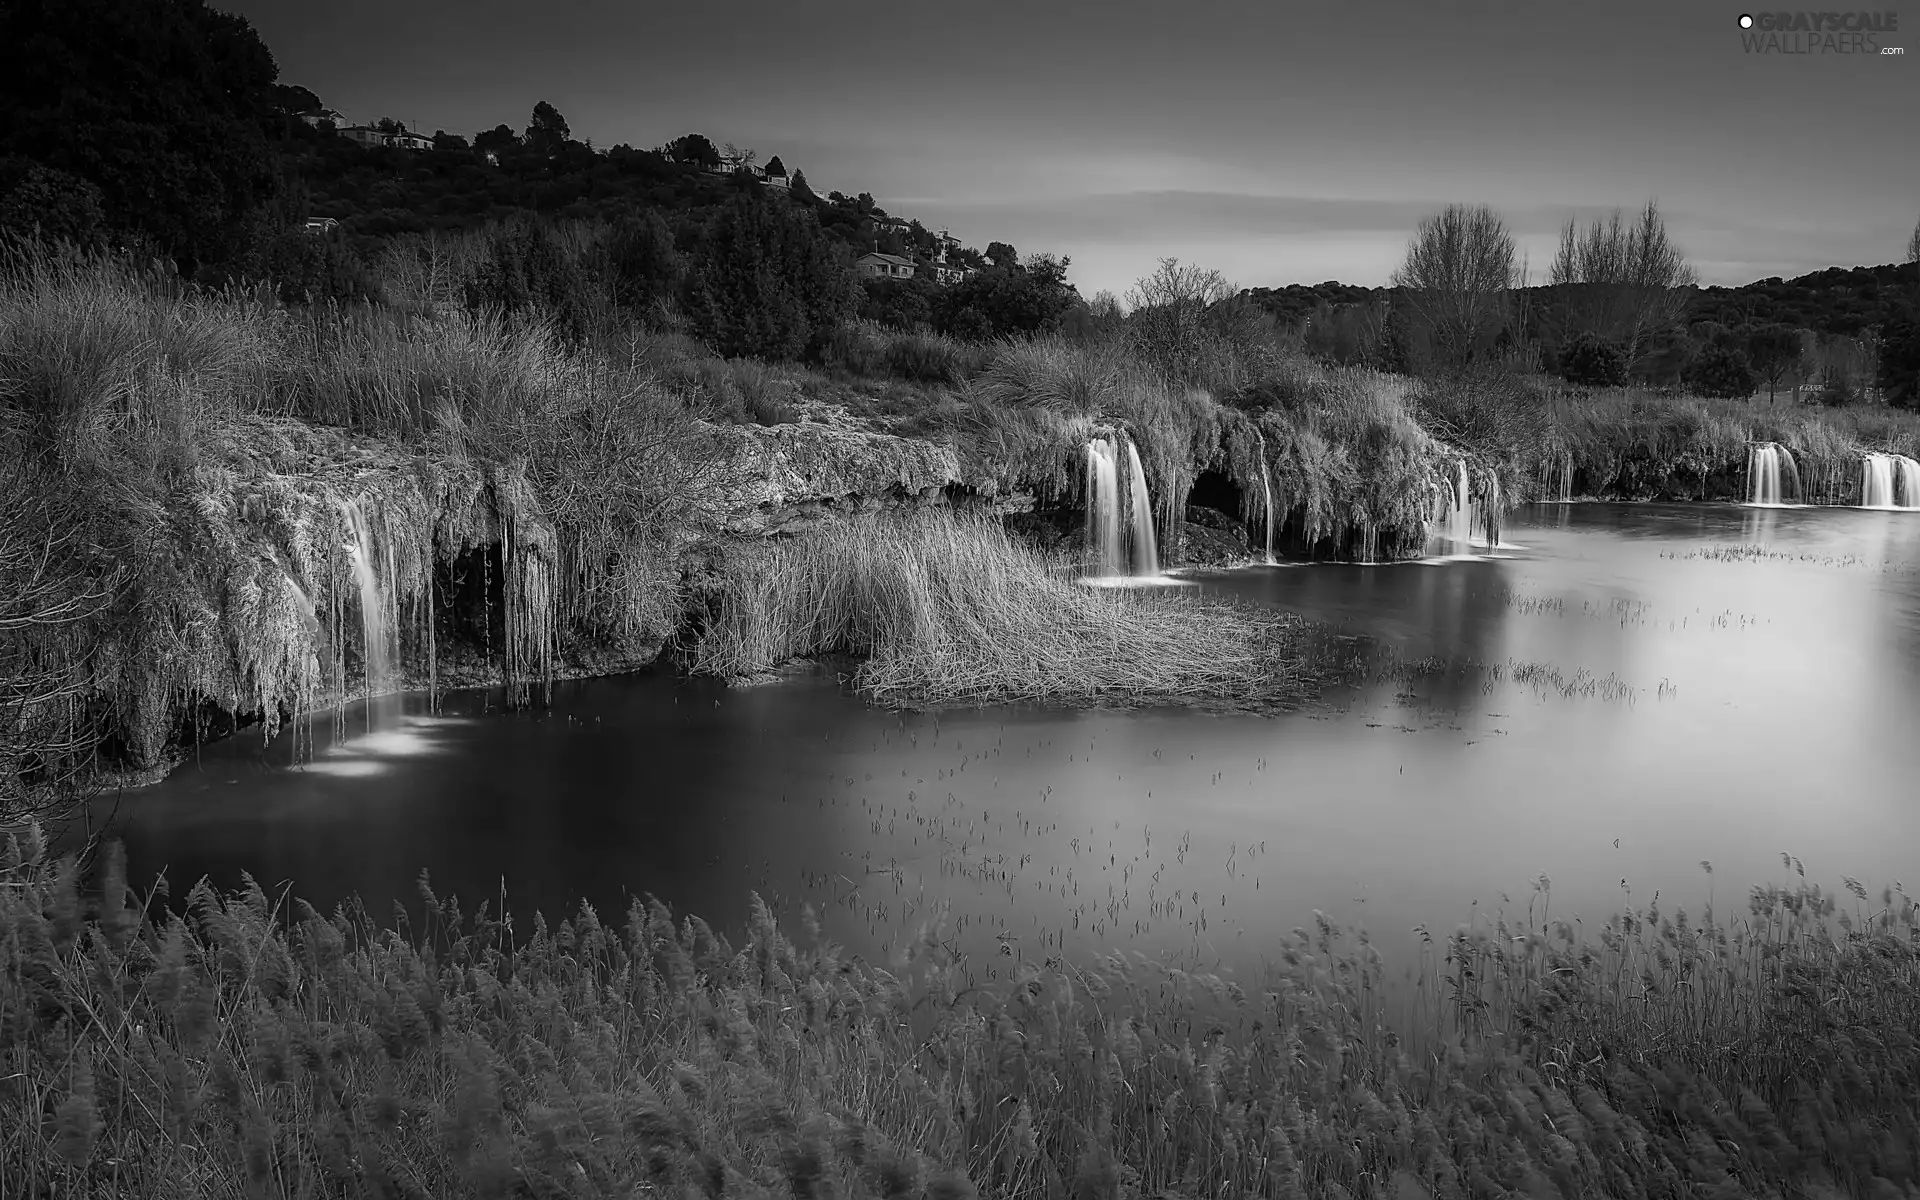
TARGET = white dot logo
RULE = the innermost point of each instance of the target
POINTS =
(1746, 21)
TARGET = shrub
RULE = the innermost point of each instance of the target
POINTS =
(1722, 372)
(1593, 361)
(527, 272)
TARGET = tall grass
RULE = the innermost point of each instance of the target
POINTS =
(200, 442)
(945, 607)
(245, 1045)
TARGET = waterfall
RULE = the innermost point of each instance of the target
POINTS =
(1889, 481)
(1266, 492)
(378, 626)
(1559, 478)
(1771, 474)
(1119, 544)
(1453, 516)
(1103, 511)
(1146, 557)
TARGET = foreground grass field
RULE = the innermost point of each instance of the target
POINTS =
(244, 1045)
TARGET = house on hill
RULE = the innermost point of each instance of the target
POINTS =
(944, 272)
(366, 135)
(886, 266)
(320, 116)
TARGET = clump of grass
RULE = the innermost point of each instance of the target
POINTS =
(945, 607)
(244, 1044)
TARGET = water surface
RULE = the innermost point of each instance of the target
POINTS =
(1632, 691)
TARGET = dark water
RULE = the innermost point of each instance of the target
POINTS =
(1630, 691)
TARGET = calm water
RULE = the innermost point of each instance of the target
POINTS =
(1632, 690)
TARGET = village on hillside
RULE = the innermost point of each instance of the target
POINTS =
(875, 264)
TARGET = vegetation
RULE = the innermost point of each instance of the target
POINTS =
(247, 1045)
(945, 608)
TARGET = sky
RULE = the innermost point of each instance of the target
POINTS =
(1278, 142)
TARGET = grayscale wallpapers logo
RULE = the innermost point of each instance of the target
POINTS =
(1820, 33)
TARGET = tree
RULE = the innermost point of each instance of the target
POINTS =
(293, 99)
(800, 187)
(769, 283)
(1620, 282)
(1593, 361)
(1774, 351)
(1000, 254)
(1168, 322)
(643, 266)
(51, 204)
(1455, 279)
(694, 150)
(1721, 372)
(494, 140)
(160, 104)
(528, 272)
(1913, 245)
(775, 166)
(548, 132)
(1899, 376)
(442, 140)
(997, 302)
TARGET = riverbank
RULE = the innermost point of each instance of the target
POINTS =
(206, 495)
(245, 1042)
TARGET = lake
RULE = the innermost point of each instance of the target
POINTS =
(1629, 691)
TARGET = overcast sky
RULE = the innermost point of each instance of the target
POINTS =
(1279, 142)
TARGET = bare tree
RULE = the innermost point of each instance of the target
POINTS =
(1168, 321)
(1456, 277)
(1620, 281)
(1913, 245)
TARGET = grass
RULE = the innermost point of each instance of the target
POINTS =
(1635, 444)
(245, 1045)
(949, 608)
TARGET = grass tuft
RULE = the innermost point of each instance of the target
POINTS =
(946, 608)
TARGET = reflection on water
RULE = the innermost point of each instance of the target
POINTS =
(1640, 689)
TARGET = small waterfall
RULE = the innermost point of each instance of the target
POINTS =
(1120, 539)
(378, 626)
(1103, 511)
(1146, 556)
(1454, 517)
(1771, 475)
(1889, 481)
(1558, 481)
(1266, 492)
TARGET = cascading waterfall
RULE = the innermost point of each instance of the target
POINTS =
(1771, 475)
(1103, 511)
(1146, 556)
(1890, 481)
(378, 624)
(1454, 517)
(1120, 539)
(1266, 492)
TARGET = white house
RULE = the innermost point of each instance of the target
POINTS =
(322, 224)
(886, 266)
(319, 115)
